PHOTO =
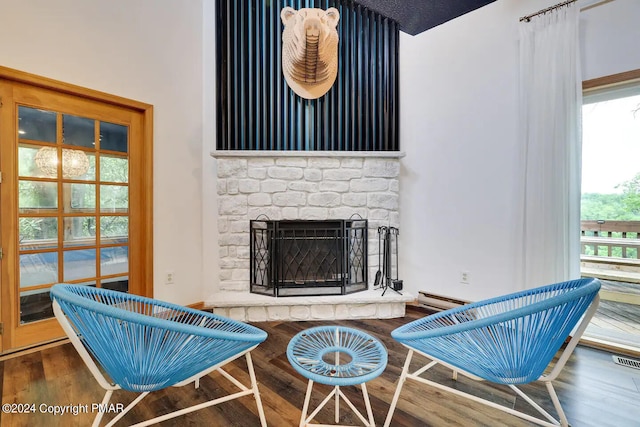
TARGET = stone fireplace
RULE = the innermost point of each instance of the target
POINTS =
(299, 186)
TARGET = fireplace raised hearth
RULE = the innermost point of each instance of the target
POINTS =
(308, 257)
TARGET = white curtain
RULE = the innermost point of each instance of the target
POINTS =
(550, 116)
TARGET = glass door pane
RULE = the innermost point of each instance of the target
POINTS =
(610, 211)
(70, 167)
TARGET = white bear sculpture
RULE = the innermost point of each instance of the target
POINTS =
(310, 50)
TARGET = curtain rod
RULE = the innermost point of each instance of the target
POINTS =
(559, 5)
(549, 9)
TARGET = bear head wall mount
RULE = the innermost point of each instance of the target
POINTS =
(310, 50)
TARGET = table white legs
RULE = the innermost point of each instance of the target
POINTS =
(337, 393)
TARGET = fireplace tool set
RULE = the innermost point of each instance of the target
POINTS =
(387, 260)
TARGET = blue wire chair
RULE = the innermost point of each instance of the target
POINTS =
(144, 345)
(507, 340)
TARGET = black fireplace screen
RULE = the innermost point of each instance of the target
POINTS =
(296, 257)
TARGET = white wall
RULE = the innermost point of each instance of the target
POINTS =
(210, 247)
(610, 35)
(147, 50)
(459, 128)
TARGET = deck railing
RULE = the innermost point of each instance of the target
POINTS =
(610, 239)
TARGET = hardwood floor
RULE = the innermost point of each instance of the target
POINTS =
(593, 390)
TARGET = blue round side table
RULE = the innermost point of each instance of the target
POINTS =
(336, 356)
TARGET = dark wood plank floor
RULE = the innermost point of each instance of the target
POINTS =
(593, 390)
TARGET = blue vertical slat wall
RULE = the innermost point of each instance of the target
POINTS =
(256, 110)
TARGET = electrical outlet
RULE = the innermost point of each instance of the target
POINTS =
(168, 279)
(464, 277)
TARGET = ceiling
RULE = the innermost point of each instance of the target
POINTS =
(416, 16)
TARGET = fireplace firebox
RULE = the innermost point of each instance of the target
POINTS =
(308, 257)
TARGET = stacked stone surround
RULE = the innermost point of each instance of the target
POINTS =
(307, 186)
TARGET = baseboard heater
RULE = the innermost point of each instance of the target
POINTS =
(439, 302)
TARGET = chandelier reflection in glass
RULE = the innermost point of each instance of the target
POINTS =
(75, 163)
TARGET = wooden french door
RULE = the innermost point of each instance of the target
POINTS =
(76, 199)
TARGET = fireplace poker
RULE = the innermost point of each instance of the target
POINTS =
(376, 282)
(389, 282)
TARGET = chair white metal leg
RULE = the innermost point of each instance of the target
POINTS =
(396, 395)
(549, 422)
(337, 389)
(245, 391)
(564, 422)
(256, 392)
(105, 401)
(127, 409)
